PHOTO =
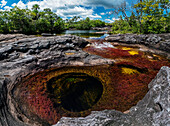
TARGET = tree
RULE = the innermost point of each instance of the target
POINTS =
(97, 23)
(122, 8)
(152, 18)
(148, 16)
(35, 11)
(18, 19)
(4, 27)
(165, 4)
(30, 21)
(35, 14)
(59, 25)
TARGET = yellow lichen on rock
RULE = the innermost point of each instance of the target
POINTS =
(126, 70)
(69, 54)
(126, 48)
(132, 52)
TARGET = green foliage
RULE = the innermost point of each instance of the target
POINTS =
(30, 21)
(97, 23)
(120, 26)
(149, 16)
(83, 24)
(36, 22)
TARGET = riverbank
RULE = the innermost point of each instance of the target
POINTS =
(156, 41)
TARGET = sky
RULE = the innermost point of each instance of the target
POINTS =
(94, 9)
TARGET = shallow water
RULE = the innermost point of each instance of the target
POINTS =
(84, 33)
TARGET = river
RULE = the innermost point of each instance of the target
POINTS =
(85, 33)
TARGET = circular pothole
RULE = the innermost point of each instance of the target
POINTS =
(75, 91)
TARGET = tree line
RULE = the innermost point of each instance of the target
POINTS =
(147, 16)
(83, 24)
(34, 21)
(30, 21)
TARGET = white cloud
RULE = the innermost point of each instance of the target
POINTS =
(110, 12)
(115, 19)
(111, 20)
(70, 8)
(7, 8)
(14, 4)
(3, 3)
(63, 4)
(107, 4)
(94, 16)
(76, 11)
(55, 4)
(20, 4)
(102, 13)
(30, 4)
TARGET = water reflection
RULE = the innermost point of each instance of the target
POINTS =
(85, 33)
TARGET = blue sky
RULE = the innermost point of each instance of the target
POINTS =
(95, 9)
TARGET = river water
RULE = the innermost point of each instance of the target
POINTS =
(85, 33)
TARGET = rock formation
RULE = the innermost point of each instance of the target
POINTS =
(152, 110)
(28, 55)
(157, 41)
(19, 58)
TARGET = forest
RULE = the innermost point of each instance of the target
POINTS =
(30, 21)
(35, 22)
(83, 24)
(147, 16)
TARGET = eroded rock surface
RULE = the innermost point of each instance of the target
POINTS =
(13, 37)
(158, 41)
(152, 110)
(26, 56)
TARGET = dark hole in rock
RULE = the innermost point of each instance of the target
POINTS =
(160, 106)
(75, 91)
(20, 118)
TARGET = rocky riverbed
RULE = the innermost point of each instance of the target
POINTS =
(22, 55)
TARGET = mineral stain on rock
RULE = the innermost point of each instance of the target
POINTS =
(75, 91)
